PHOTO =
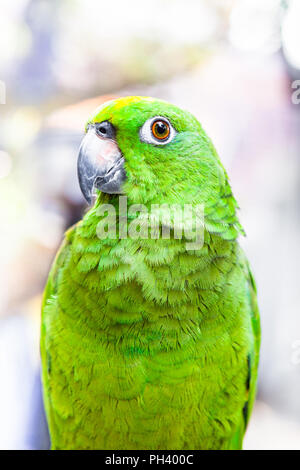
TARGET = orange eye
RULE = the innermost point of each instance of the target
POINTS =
(160, 129)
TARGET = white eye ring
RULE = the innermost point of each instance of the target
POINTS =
(146, 134)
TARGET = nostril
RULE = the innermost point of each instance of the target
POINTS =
(105, 129)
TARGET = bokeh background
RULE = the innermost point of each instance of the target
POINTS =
(230, 62)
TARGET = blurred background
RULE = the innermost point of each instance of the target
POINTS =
(233, 63)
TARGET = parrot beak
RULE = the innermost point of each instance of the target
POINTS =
(100, 165)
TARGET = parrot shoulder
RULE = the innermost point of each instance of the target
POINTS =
(46, 351)
(63, 251)
(252, 358)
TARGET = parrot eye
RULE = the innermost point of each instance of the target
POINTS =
(105, 129)
(157, 131)
(160, 130)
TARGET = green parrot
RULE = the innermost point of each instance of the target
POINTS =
(147, 342)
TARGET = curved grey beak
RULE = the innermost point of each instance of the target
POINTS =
(100, 165)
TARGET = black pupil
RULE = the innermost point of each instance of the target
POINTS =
(102, 130)
(161, 128)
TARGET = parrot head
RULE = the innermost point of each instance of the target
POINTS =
(149, 150)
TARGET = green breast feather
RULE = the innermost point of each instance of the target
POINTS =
(147, 344)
